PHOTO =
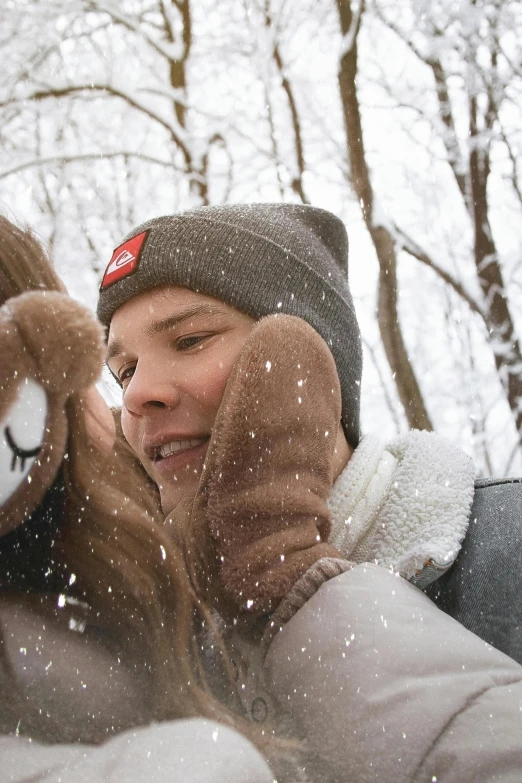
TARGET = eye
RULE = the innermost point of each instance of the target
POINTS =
(191, 341)
(18, 452)
(125, 375)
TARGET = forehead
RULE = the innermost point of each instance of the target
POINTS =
(145, 312)
(169, 297)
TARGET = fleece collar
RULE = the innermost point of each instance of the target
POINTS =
(404, 505)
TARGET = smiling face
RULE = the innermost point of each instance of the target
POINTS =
(172, 351)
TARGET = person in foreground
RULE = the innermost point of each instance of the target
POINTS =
(97, 615)
(233, 336)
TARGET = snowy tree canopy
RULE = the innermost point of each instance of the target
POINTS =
(402, 118)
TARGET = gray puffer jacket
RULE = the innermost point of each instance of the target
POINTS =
(192, 751)
(380, 683)
(386, 687)
(482, 589)
(70, 691)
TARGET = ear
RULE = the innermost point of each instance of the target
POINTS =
(51, 347)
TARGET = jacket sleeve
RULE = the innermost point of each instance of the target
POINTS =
(385, 686)
(194, 751)
(482, 588)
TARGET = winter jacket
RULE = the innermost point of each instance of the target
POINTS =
(413, 505)
(79, 691)
(380, 683)
(482, 589)
(192, 751)
(386, 687)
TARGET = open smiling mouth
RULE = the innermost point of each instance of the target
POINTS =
(176, 447)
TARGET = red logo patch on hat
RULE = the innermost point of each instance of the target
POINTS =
(124, 261)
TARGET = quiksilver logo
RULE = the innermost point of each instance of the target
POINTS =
(124, 261)
(124, 258)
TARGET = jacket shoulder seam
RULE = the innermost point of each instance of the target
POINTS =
(447, 726)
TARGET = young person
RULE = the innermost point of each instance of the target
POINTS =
(243, 416)
(180, 296)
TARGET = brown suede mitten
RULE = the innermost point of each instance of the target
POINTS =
(259, 518)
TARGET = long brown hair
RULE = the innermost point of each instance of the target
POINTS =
(125, 566)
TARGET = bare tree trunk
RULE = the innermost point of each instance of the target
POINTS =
(471, 172)
(383, 240)
(178, 80)
(297, 178)
(496, 311)
(504, 341)
(177, 67)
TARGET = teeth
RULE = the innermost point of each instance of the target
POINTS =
(178, 445)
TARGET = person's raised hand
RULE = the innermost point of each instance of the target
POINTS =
(259, 518)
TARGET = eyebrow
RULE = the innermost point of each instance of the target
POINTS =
(166, 324)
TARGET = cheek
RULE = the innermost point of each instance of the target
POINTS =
(209, 385)
(128, 427)
(211, 382)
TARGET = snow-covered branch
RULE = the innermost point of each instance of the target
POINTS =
(413, 249)
(176, 132)
(349, 38)
(74, 158)
(171, 51)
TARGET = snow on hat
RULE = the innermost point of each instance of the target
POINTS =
(259, 258)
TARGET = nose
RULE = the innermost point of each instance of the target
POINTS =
(150, 388)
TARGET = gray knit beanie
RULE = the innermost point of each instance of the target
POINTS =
(259, 258)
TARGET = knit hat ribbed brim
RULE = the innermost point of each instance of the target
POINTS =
(259, 258)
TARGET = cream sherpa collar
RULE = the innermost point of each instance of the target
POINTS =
(404, 505)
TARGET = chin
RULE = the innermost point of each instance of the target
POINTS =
(172, 497)
(169, 501)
